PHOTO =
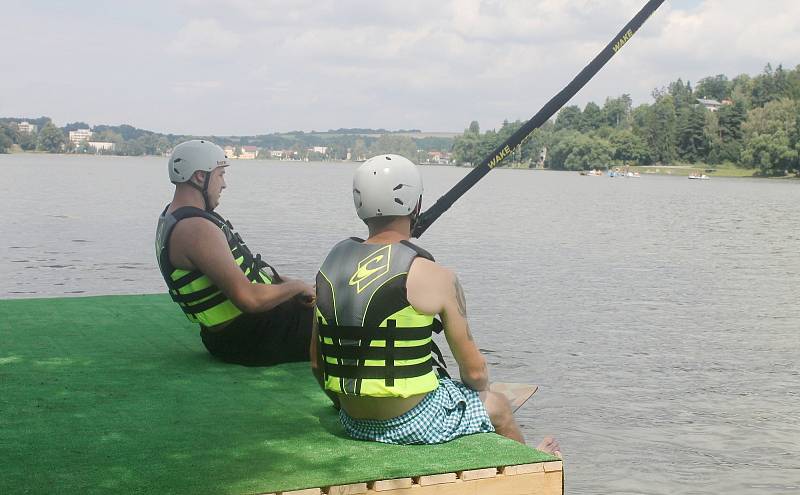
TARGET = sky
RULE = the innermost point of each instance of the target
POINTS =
(244, 67)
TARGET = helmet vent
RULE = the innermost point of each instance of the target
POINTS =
(398, 201)
(388, 157)
(177, 160)
(398, 186)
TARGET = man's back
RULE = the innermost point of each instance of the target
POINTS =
(424, 284)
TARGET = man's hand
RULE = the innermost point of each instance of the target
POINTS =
(307, 295)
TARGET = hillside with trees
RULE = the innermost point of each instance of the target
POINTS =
(747, 122)
(131, 141)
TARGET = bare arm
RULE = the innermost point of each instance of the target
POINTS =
(434, 289)
(196, 243)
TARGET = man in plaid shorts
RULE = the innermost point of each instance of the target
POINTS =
(377, 300)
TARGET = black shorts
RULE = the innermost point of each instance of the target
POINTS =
(281, 335)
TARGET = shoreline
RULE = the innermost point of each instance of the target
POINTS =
(681, 170)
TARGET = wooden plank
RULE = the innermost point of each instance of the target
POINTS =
(522, 469)
(477, 474)
(517, 393)
(553, 466)
(523, 484)
(398, 483)
(351, 489)
(305, 491)
(436, 479)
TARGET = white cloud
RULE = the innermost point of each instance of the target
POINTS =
(205, 37)
(268, 65)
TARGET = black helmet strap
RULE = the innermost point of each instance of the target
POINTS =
(203, 189)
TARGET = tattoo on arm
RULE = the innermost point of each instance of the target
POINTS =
(462, 301)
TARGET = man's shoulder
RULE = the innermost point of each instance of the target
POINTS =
(430, 270)
(195, 228)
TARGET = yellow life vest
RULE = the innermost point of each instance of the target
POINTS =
(373, 342)
(197, 296)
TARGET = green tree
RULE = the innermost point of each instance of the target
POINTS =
(27, 140)
(660, 130)
(629, 148)
(576, 151)
(74, 126)
(693, 143)
(617, 111)
(7, 135)
(51, 139)
(682, 94)
(593, 117)
(467, 147)
(359, 150)
(771, 137)
(717, 87)
(569, 118)
(773, 154)
(392, 143)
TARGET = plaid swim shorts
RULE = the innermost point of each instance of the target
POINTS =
(451, 411)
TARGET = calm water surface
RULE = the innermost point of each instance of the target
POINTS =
(658, 315)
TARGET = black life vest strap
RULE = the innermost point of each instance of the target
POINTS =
(194, 309)
(375, 353)
(375, 333)
(377, 372)
(389, 353)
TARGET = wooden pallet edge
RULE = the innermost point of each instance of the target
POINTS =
(553, 466)
(477, 474)
(537, 467)
(304, 491)
(466, 476)
(350, 489)
(392, 484)
(436, 479)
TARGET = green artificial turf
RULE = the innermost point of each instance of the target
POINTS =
(117, 394)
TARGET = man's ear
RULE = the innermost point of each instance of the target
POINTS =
(199, 177)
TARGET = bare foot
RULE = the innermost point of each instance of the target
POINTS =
(550, 445)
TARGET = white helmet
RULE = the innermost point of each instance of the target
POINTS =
(191, 156)
(386, 185)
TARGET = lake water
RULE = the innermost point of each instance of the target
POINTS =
(658, 315)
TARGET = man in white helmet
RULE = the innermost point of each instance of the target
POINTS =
(247, 315)
(377, 303)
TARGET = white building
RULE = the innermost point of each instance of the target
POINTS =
(322, 150)
(248, 153)
(712, 105)
(101, 145)
(77, 136)
(27, 127)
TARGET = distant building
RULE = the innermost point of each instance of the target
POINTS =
(27, 127)
(439, 157)
(101, 145)
(322, 150)
(712, 105)
(230, 152)
(248, 153)
(80, 135)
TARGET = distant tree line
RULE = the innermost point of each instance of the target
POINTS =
(757, 125)
(130, 141)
